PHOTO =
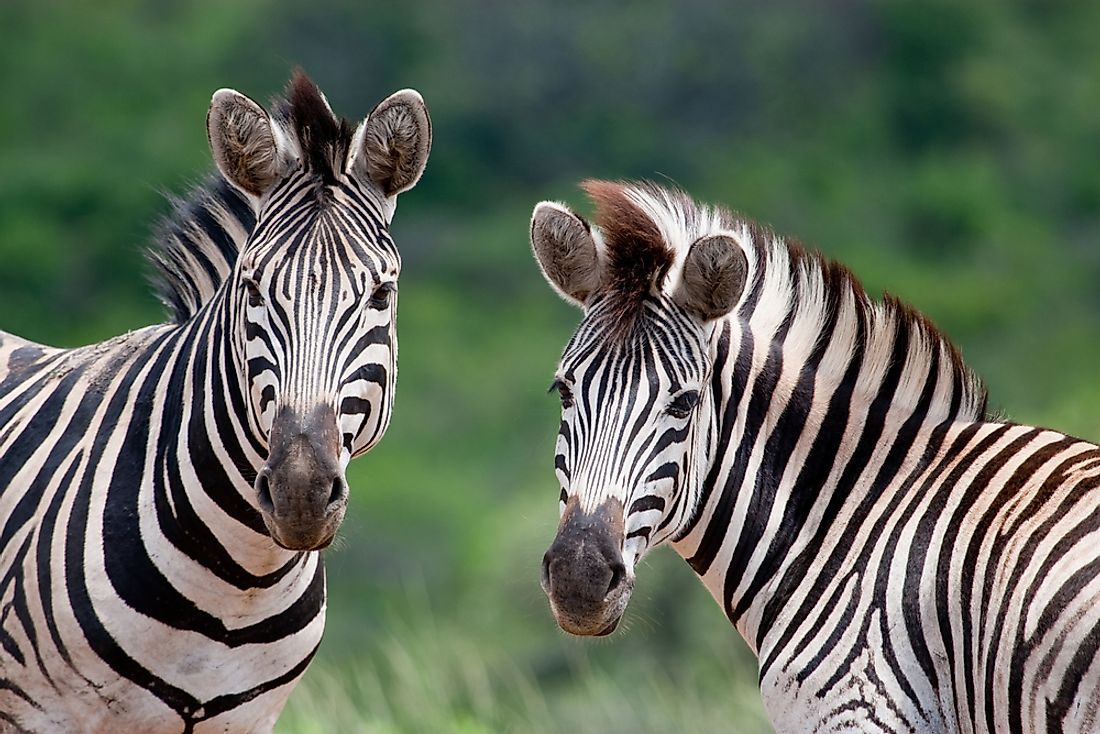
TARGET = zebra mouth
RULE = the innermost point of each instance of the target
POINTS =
(295, 536)
(306, 546)
(610, 627)
(587, 626)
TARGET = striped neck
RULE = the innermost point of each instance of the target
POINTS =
(217, 455)
(819, 398)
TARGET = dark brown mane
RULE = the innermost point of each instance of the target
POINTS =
(645, 227)
(636, 254)
(323, 138)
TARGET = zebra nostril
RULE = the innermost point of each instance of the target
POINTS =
(339, 490)
(546, 571)
(618, 575)
(263, 492)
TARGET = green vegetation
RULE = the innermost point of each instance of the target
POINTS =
(946, 151)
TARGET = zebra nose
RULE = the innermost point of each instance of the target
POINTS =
(587, 573)
(584, 574)
(301, 491)
(300, 481)
(617, 570)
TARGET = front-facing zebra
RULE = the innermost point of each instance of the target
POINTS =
(163, 495)
(898, 561)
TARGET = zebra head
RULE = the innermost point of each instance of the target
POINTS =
(313, 294)
(633, 382)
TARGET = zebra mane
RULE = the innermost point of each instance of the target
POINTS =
(323, 139)
(646, 230)
(195, 246)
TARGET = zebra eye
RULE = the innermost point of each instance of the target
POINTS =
(380, 299)
(682, 405)
(255, 298)
(564, 391)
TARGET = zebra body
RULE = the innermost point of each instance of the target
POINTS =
(897, 560)
(164, 495)
(84, 549)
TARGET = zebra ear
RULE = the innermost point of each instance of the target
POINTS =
(566, 251)
(713, 277)
(244, 143)
(391, 146)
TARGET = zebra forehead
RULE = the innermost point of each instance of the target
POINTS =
(645, 233)
(664, 344)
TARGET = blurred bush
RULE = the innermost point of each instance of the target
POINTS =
(946, 151)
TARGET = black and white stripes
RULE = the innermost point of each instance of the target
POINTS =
(825, 464)
(162, 494)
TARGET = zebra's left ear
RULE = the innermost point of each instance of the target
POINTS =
(391, 146)
(713, 277)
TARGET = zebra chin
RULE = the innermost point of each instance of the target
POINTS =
(298, 536)
(301, 491)
(584, 575)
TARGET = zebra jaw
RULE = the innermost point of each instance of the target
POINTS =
(301, 490)
(584, 574)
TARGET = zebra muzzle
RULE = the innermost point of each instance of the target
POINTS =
(584, 575)
(301, 490)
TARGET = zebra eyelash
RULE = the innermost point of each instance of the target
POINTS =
(682, 405)
(380, 299)
(563, 391)
(255, 297)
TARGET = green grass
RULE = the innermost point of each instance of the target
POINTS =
(420, 677)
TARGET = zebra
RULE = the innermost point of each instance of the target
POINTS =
(165, 495)
(898, 559)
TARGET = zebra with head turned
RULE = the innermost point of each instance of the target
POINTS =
(164, 494)
(897, 560)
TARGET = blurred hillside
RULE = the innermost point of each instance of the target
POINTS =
(946, 151)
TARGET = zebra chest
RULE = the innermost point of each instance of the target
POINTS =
(157, 682)
(148, 645)
(841, 673)
(853, 694)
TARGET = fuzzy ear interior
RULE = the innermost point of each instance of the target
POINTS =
(713, 277)
(393, 143)
(243, 142)
(566, 251)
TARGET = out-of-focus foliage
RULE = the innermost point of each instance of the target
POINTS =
(946, 151)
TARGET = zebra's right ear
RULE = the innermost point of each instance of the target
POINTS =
(566, 251)
(713, 277)
(244, 142)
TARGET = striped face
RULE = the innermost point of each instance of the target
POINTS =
(629, 422)
(318, 297)
(317, 300)
(314, 292)
(633, 380)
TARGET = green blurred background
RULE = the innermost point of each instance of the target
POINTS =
(947, 152)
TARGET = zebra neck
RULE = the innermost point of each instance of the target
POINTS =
(210, 457)
(816, 410)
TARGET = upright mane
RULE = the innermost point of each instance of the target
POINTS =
(323, 139)
(646, 230)
(195, 246)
